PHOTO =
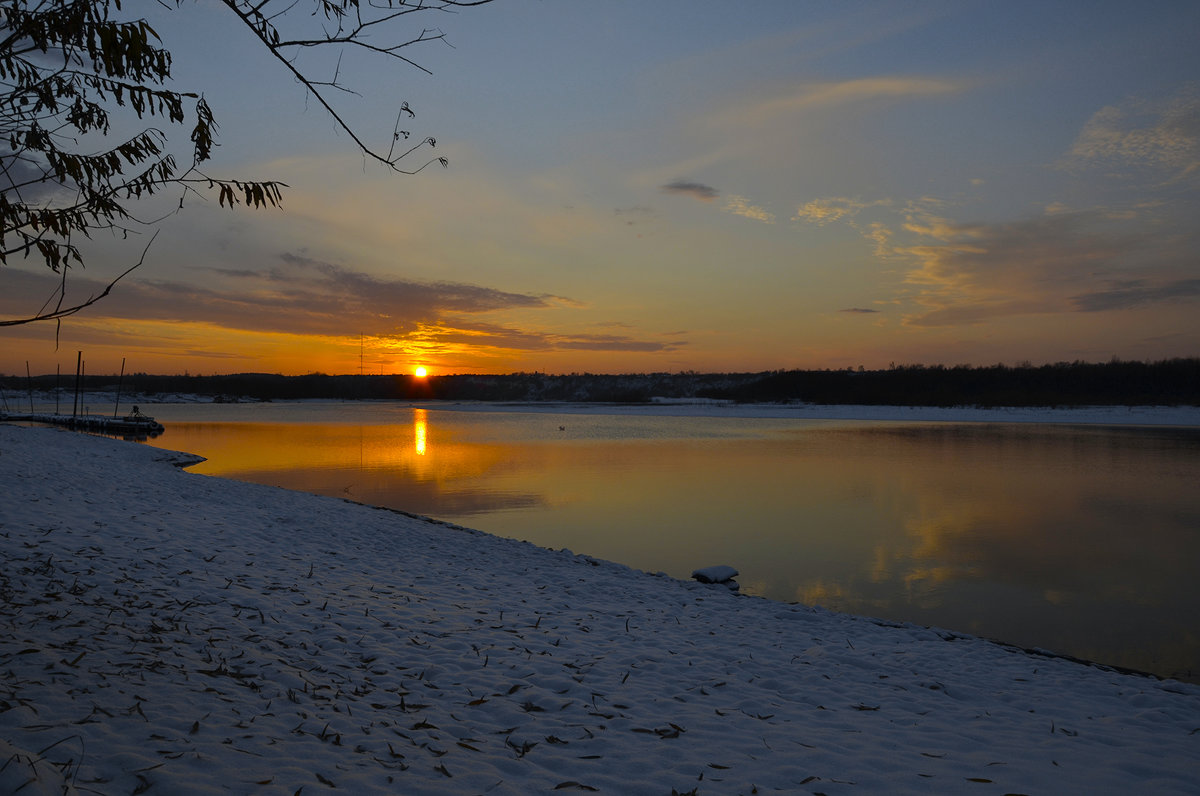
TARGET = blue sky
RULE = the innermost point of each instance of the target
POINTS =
(674, 186)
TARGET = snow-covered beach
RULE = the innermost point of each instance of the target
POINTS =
(169, 632)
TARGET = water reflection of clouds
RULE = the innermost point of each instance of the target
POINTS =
(820, 592)
(1006, 532)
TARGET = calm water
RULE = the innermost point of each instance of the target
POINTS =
(1080, 539)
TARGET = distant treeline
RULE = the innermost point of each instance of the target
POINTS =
(1174, 382)
(1168, 382)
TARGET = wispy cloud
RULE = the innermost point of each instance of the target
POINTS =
(326, 287)
(828, 210)
(740, 206)
(881, 236)
(955, 272)
(305, 296)
(777, 126)
(841, 209)
(1120, 295)
(968, 273)
(809, 96)
(696, 190)
(447, 336)
(1161, 135)
(735, 204)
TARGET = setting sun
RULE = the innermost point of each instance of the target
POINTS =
(420, 372)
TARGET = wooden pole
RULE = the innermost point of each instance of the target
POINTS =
(78, 365)
(29, 384)
(120, 379)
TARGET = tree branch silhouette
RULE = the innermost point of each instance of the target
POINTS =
(67, 65)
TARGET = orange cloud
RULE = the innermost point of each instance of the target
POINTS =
(740, 206)
(827, 211)
(323, 308)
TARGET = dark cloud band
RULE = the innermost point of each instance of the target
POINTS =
(697, 190)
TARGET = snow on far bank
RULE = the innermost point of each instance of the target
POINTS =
(168, 632)
(692, 407)
(1108, 415)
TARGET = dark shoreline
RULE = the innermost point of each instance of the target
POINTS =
(1174, 382)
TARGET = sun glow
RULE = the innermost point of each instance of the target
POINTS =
(421, 372)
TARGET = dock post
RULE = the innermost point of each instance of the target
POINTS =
(75, 408)
(120, 379)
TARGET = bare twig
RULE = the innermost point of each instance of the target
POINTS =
(62, 312)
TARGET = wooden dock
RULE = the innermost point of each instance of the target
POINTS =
(128, 425)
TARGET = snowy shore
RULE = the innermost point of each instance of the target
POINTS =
(166, 632)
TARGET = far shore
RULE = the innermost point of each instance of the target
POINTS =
(1134, 415)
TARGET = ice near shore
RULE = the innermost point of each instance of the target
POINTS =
(166, 632)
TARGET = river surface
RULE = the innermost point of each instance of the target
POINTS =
(1081, 539)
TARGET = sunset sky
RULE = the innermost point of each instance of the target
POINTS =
(677, 185)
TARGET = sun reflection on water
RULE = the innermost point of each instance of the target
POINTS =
(420, 430)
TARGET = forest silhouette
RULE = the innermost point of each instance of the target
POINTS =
(1171, 382)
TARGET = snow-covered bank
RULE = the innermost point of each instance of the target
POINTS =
(168, 632)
